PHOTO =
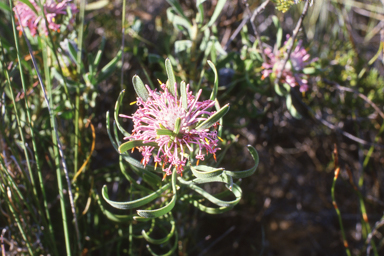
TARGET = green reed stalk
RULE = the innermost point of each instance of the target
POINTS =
(122, 46)
(57, 156)
(77, 100)
(36, 198)
(55, 138)
(345, 242)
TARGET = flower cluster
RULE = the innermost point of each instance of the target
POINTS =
(162, 119)
(31, 19)
(291, 74)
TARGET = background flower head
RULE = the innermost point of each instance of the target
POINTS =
(292, 72)
(31, 19)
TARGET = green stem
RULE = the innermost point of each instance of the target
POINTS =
(122, 46)
(32, 137)
(345, 242)
(57, 162)
(77, 100)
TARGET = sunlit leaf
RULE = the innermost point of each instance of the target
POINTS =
(213, 118)
(171, 77)
(216, 83)
(134, 203)
(165, 209)
(116, 114)
(291, 108)
(135, 143)
(139, 87)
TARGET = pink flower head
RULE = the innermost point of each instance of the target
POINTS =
(163, 111)
(291, 74)
(31, 19)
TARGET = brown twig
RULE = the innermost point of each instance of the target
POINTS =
(342, 88)
(332, 126)
(253, 17)
(245, 20)
(378, 225)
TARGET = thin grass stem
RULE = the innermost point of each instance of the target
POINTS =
(60, 149)
(345, 242)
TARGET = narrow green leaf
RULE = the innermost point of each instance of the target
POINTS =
(182, 45)
(161, 240)
(177, 7)
(309, 70)
(116, 114)
(171, 77)
(214, 118)
(163, 210)
(4, 7)
(291, 108)
(249, 172)
(114, 144)
(139, 87)
(134, 203)
(184, 96)
(203, 171)
(216, 12)
(200, 9)
(179, 23)
(170, 252)
(216, 83)
(219, 48)
(164, 132)
(279, 35)
(99, 53)
(135, 143)
(236, 190)
(119, 218)
(96, 5)
(71, 50)
(108, 69)
(209, 210)
(176, 130)
(282, 90)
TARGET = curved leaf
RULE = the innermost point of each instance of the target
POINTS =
(179, 22)
(210, 210)
(213, 118)
(216, 83)
(114, 144)
(216, 12)
(249, 172)
(116, 114)
(135, 143)
(292, 110)
(236, 190)
(203, 171)
(111, 216)
(163, 210)
(139, 87)
(170, 252)
(134, 203)
(107, 70)
(161, 240)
